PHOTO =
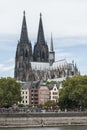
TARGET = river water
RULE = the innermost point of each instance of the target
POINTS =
(50, 128)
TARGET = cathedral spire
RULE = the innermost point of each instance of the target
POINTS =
(40, 37)
(51, 44)
(41, 48)
(51, 52)
(24, 34)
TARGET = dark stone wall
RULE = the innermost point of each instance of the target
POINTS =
(37, 114)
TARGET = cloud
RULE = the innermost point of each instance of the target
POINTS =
(4, 68)
(69, 41)
(83, 70)
(61, 54)
(7, 68)
(59, 16)
(69, 48)
(7, 65)
(6, 71)
(9, 61)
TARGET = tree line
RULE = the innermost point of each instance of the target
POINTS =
(10, 92)
(72, 95)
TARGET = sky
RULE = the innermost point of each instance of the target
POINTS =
(66, 19)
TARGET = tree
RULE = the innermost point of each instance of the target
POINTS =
(10, 92)
(50, 103)
(74, 93)
(51, 82)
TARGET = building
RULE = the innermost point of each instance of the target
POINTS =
(34, 92)
(25, 93)
(43, 94)
(54, 93)
(39, 63)
(29, 93)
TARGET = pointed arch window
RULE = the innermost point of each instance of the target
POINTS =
(43, 55)
(26, 54)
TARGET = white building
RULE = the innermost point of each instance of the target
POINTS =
(25, 93)
(54, 93)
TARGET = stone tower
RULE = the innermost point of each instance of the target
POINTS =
(41, 52)
(51, 52)
(41, 64)
(23, 55)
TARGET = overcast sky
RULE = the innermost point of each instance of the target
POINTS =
(66, 19)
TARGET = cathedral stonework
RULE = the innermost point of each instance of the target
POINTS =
(23, 57)
(39, 65)
(41, 48)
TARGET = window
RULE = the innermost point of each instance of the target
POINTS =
(55, 93)
(36, 95)
(54, 89)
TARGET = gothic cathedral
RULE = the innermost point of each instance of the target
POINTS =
(40, 63)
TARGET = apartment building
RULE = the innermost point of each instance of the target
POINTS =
(43, 94)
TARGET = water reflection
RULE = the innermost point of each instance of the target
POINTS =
(50, 128)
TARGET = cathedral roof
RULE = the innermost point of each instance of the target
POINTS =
(40, 65)
(46, 66)
(59, 63)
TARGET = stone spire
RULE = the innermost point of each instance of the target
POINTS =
(51, 44)
(24, 34)
(40, 37)
(41, 52)
(23, 70)
(51, 52)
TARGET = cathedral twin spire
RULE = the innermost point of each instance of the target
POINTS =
(40, 52)
(24, 57)
(24, 33)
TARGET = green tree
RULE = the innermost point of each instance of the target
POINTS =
(51, 82)
(10, 92)
(50, 103)
(74, 93)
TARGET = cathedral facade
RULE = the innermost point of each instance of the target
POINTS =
(39, 63)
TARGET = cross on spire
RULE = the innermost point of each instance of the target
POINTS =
(40, 14)
(24, 12)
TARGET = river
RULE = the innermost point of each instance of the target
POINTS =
(50, 128)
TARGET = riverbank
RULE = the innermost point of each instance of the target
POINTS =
(42, 119)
